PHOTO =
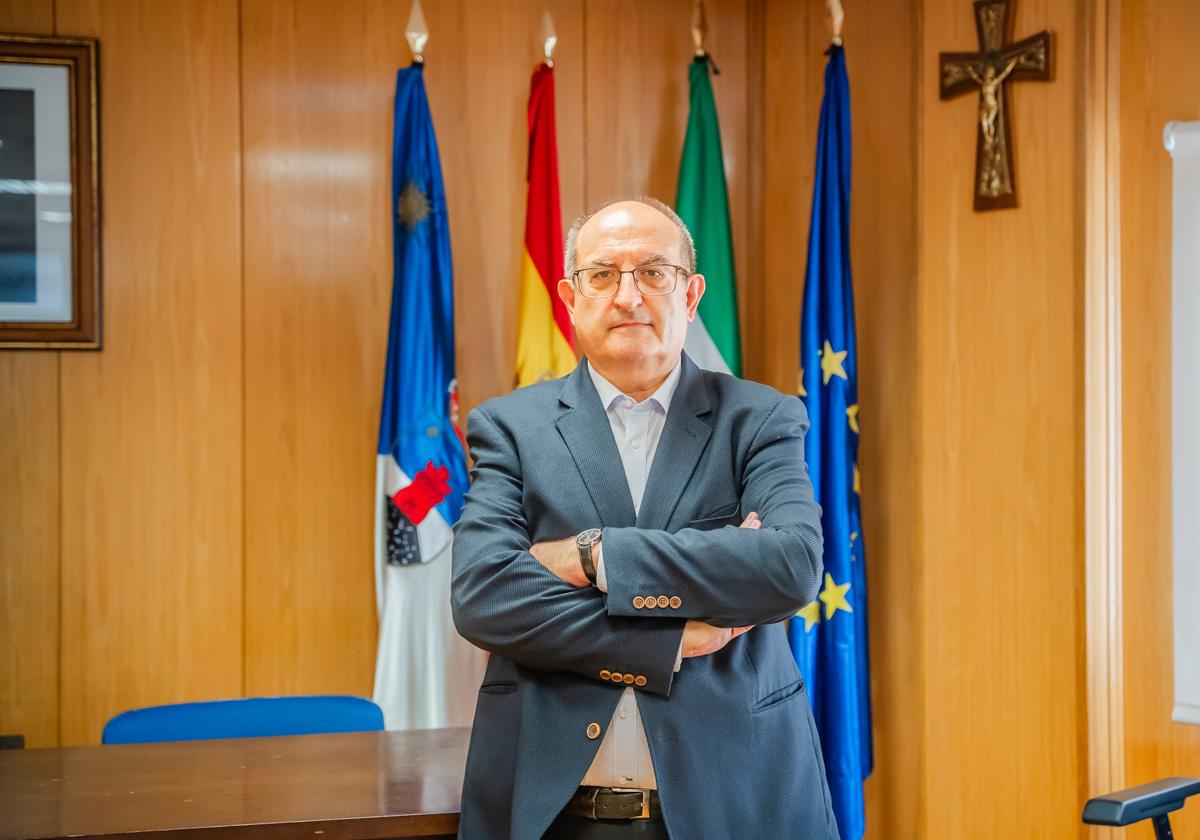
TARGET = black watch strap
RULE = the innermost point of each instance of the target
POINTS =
(587, 559)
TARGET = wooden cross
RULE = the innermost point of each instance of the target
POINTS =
(997, 63)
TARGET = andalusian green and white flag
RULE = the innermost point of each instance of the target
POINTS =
(713, 339)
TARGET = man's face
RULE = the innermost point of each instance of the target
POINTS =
(631, 333)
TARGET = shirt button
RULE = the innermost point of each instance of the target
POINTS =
(628, 403)
(624, 713)
(636, 445)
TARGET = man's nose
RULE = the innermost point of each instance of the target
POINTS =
(628, 296)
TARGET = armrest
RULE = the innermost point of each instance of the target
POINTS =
(1140, 803)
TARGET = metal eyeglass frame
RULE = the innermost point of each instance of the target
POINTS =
(621, 276)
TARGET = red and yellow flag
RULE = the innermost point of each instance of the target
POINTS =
(544, 342)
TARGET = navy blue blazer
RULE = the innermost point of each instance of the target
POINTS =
(731, 734)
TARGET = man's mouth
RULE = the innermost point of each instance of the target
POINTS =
(630, 324)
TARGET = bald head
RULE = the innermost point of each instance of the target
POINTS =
(643, 211)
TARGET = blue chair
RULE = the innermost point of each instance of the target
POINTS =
(249, 717)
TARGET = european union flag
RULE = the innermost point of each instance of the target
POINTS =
(829, 636)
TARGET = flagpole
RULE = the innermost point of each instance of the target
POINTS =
(837, 14)
(416, 32)
(549, 38)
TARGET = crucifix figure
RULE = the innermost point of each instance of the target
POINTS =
(996, 63)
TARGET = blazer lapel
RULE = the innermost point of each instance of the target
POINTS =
(585, 429)
(683, 440)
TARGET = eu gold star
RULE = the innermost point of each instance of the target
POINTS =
(800, 384)
(857, 481)
(831, 362)
(833, 596)
(811, 615)
(852, 416)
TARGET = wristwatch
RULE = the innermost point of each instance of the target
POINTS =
(586, 542)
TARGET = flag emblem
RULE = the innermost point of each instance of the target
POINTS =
(413, 206)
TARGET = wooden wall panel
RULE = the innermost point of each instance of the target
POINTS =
(795, 36)
(881, 49)
(1001, 492)
(1160, 77)
(880, 55)
(29, 546)
(151, 426)
(318, 83)
(29, 510)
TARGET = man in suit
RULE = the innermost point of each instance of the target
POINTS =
(634, 534)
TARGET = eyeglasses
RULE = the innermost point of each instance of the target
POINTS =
(603, 281)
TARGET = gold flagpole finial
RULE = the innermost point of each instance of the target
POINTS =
(416, 32)
(837, 14)
(549, 38)
(699, 27)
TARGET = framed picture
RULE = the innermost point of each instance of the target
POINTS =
(49, 193)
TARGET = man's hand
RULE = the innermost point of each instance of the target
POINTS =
(562, 558)
(700, 639)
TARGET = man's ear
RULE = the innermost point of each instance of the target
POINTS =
(695, 291)
(566, 293)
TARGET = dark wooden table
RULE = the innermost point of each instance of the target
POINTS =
(323, 787)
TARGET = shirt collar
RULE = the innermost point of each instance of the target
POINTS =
(609, 392)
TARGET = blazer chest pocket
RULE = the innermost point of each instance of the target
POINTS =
(498, 688)
(718, 517)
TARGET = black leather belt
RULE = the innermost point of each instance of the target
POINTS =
(604, 803)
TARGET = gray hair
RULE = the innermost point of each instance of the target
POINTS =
(687, 245)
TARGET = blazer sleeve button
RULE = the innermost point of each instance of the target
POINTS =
(593, 731)
(616, 676)
(627, 679)
(676, 602)
(638, 602)
(663, 601)
(651, 603)
(639, 680)
(605, 674)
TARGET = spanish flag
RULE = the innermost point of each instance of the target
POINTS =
(544, 342)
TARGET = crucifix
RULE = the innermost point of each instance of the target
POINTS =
(997, 63)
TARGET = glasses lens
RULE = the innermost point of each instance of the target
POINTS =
(599, 282)
(655, 279)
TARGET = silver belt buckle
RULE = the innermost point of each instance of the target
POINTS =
(645, 814)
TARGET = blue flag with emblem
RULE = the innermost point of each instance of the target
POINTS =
(829, 636)
(423, 668)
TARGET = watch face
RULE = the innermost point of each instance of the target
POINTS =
(588, 537)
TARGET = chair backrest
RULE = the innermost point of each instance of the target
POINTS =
(248, 717)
